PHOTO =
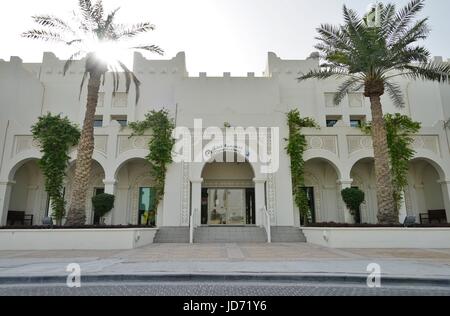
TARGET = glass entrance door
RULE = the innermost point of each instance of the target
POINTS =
(147, 211)
(228, 207)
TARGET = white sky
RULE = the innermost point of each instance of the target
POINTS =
(217, 35)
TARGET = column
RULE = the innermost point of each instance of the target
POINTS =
(345, 184)
(260, 199)
(196, 199)
(5, 195)
(446, 195)
(110, 188)
(402, 212)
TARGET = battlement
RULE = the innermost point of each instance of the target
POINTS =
(51, 66)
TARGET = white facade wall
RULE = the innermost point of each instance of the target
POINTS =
(337, 157)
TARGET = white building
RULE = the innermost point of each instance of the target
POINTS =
(339, 156)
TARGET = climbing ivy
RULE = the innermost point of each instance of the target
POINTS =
(160, 146)
(56, 135)
(400, 136)
(296, 147)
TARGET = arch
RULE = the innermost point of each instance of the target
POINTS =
(425, 191)
(325, 175)
(28, 190)
(437, 163)
(19, 161)
(124, 159)
(325, 156)
(356, 158)
(363, 175)
(197, 168)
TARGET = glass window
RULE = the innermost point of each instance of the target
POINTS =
(98, 122)
(147, 205)
(356, 123)
(331, 123)
(122, 122)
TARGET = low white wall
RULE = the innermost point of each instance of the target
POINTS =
(76, 239)
(432, 238)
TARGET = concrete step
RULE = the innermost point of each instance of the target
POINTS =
(287, 234)
(230, 234)
(172, 235)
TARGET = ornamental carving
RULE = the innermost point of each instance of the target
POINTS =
(328, 143)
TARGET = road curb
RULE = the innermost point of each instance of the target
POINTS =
(236, 277)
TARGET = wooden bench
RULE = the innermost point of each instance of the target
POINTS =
(434, 217)
(19, 217)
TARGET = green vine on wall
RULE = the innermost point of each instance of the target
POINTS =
(296, 147)
(56, 136)
(160, 146)
(400, 137)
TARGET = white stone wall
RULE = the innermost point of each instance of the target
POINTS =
(336, 156)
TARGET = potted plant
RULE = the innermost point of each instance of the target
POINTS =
(103, 204)
(353, 198)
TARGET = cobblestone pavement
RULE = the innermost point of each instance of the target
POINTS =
(220, 289)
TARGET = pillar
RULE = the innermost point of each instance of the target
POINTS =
(196, 199)
(446, 195)
(5, 195)
(110, 188)
(345, 184)
(402, 212)
(260, 199)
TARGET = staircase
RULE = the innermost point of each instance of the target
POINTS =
(286, 234)
(230, 234)
(172, 235)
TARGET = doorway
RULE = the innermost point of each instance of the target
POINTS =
(232, 207)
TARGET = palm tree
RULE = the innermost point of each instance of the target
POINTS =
(370, 52)
(94, 35)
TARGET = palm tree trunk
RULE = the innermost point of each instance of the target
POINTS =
(387, 212)
(77, 212)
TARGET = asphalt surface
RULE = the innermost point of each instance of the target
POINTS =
(190, 289)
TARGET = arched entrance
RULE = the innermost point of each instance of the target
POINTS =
(28, 193)
(95, 187)
(321, 186)
(228, 194)
(135, 202)
(425, 191)
(363, 175)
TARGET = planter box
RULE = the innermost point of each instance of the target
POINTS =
(432, 238)
(76, 239)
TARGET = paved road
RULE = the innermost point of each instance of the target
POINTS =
(220, 289)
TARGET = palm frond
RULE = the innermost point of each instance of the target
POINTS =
(439, 72)
(353, 22)
(51, 21)
(44, 35)
(97, 11)
(324, 74)
(386, 17)
(332, 36)
(129, 75)
(395, 93)
(136, 29)
(70, 61)
(404, 18)
(150, 48)
(351, 84)
(419, 31)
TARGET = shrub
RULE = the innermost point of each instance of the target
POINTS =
(353, 198)
(103, 204)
